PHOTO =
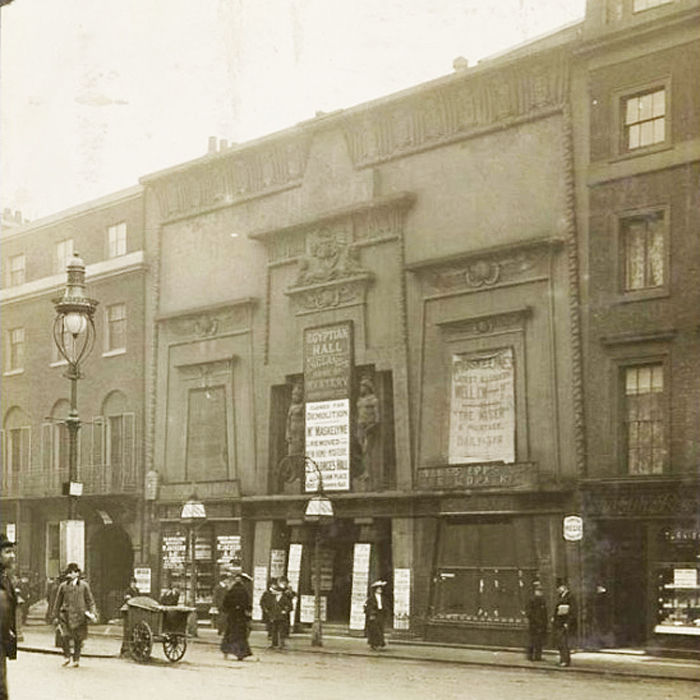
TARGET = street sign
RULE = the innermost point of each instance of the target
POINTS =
(573, 528)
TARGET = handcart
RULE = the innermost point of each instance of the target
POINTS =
(148, 621)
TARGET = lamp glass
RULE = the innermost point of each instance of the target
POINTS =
(75, 323)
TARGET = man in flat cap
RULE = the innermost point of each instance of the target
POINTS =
(8, 611)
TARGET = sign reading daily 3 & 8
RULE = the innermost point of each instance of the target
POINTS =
(327, 373)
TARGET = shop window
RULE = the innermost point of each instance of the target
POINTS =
(484, 571)
(678, 582)
(645, 419)
(64, 252)
(482, 407)
(207, 445)
(16, 270)
(116, 240)
(115, 340)
(644, 251)
(644, 119)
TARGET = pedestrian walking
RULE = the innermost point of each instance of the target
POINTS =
(216, 612)
(237, 609)
(73, 609)
(288, 596)
(8, 611)
(275, 606)
(564, 621)
(376, 611)
(537, 621)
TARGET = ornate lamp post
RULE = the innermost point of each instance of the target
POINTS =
(193, 514)
(319, 508)
(74, 335)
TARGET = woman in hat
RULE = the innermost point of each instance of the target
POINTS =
(237, 608)
(376, 612)
(73, 608)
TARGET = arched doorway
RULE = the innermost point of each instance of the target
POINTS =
(112, 565)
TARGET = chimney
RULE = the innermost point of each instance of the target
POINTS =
(460, 63)
(223, 144)
(212, 144)
(18, 217)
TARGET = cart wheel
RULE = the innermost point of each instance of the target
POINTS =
(174, 646)
(141, 641)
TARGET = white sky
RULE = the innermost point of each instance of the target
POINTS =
(96, 93)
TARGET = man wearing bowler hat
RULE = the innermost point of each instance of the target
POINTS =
(8, 611)
(563, 621)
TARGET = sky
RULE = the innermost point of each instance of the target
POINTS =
(95, 94)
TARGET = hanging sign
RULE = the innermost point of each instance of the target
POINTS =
(573, 528)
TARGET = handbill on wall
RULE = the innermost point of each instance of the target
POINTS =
(482, 408)
(360, 583)
(402, 598)
(259, 586)
(294, 573)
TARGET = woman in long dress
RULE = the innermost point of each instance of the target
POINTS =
(237, 609)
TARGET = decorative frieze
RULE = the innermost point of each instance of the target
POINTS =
(208, 324)
(683, 502)
(240, 175)
(491, 268)
(331, 295)
(478, 103)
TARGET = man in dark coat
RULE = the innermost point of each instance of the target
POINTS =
(275, 606)
(73, 608)
(537, 620)
(376, 613)
(8, 611)
(237, 608)
(564, 621)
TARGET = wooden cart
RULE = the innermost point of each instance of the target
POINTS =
(148, 621)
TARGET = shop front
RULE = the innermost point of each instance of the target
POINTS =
(643, 563)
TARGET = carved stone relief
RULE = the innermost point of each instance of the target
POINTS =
(208, 325)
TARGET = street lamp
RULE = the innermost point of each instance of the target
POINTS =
(317, 509)
(193, 514)
(74, 335)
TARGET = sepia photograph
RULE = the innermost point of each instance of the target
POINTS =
(350, 349)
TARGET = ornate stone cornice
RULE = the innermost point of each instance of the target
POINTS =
(333, 294)
(479, 103)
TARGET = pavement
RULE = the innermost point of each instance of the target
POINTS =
(105, 641)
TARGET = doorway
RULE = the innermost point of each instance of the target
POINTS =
(112, 566)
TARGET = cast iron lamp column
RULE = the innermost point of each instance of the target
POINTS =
(74, 335)
(317, 509)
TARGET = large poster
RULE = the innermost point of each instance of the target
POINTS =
(327, 382)
(482, 408)
(360, 585)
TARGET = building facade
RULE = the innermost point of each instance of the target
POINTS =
(638, 148)
(108, 235)
(385, 301)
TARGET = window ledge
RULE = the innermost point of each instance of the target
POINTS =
(13, 372)
(114, 353)
(642, 151)
(643, 295)
(58, 363)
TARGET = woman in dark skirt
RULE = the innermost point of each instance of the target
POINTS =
(237, 609)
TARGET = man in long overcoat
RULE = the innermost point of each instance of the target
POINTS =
(564, 621)
(8, 611)
(537, 620)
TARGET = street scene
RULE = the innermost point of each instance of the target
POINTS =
(350, 349)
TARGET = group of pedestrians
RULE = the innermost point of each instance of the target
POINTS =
(563, 622)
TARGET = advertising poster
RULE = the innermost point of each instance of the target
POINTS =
(328, 357)
(307, 609)
(360, 585)
(482, 408)
(143, 579)
(294, 573)
(278, 561)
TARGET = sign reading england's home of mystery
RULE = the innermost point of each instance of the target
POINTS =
(482, 409)
(327, 373)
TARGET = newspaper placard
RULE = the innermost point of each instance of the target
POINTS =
(259, 586)
(308, 608)
(328, 444)
(228, 548)
(360, 582)
(402, 598)
(174, 551)
(482, 408)
(278, 561)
